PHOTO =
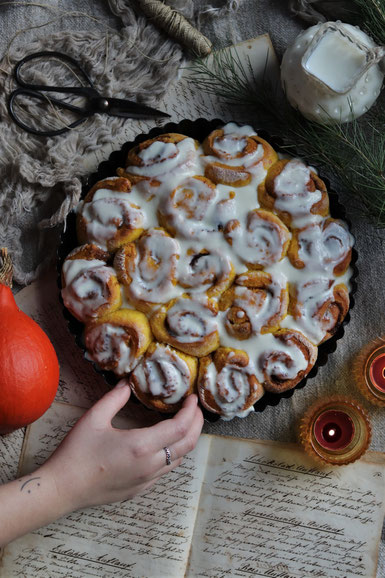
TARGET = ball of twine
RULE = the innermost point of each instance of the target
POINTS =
(176, 26)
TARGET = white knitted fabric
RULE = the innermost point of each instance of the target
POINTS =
(40, 175)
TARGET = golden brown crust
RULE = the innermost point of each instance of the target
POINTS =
(295, 245)
(267, 195)
(194, 344)
(185, 370)
(268, 217)
(136, 338)
(236, 359)
(271, 360)
(259, 284)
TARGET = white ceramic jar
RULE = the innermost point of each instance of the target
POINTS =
(332, 72)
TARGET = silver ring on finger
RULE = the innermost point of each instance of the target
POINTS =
(168, 456)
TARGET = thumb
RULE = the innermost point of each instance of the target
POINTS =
(108, 406)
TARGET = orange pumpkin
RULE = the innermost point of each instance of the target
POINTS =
(29, 368)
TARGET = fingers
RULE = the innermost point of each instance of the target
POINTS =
(172, 430)
(188, 443)
(108, 406)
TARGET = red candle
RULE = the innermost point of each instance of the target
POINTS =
(377, 370)
(334, 430)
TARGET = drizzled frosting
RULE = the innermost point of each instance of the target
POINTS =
(191, 319)
(217, 232)
(163, 374)
(323, 246)
(110, 345)
(86, 286)
(107, 213)
(261, 240)
(153, 270)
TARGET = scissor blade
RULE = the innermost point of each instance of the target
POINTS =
(129, 109)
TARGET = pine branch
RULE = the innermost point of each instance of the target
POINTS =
(354, 152)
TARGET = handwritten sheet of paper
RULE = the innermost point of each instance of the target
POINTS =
(268, 511)
(147, 536)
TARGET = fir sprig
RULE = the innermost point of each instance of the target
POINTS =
(354, 152)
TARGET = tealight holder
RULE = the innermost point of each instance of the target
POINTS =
(335, 431)
(369, 372)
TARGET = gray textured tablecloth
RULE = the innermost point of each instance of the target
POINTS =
(367, 318)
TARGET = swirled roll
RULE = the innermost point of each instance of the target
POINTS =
(286, 361)
(256, 303)
(90, 287)
(235, 154)
(293, 191)
(187, 209)
(319, 307)
(154, 161)
(227, 384)
(147, 269)
(209, 271)
(189, 324)
(260, 241)
(164, 378)
(117, 341)
(108, 217)
(324, 247)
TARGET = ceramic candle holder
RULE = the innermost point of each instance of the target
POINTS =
(335, 431)
(369, 372)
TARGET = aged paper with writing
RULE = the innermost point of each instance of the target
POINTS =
(234, 508)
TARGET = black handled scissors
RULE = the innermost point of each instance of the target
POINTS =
(95, 102)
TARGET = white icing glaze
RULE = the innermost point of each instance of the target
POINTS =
(85, 286)
(311, 296)
(191, 320)
(165, 374)
(201, 271)
(322, 247)
(160, 159)
(109, 211)
(154, 269)
(258, 241)
(107, 343)
(282, 360)
(262, 305)
(292, 193)
(230, 388)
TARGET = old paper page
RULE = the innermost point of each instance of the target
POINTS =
(147, 536)
(267, 510)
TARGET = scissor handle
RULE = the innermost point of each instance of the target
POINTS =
(83, 90)
(37, 95)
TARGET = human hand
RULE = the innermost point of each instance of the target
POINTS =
(98, 464)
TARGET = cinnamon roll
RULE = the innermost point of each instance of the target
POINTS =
(261, 241)
(147, 269)
(164, 378)
(319, 307)
(286, 361)
(207, 270)
(189, 324)
(324, 247)
(235, 154)
(187, 210)
(227, 384)
(255, 304)
(293, 191)
(155, 160)
(90, 287)
(108, 217)
(117, 341)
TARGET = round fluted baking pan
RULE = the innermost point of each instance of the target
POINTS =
(198, 129)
